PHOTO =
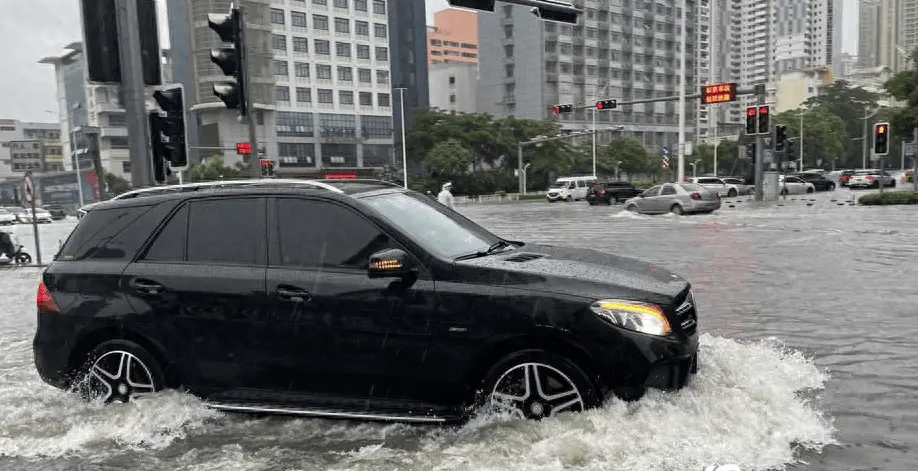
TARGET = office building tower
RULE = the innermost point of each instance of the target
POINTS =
(627, 52)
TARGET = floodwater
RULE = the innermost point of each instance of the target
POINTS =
(809, 360)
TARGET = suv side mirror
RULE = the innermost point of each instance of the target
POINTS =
(390, 263)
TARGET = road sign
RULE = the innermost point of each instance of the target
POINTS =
(28, 189)
(718, 93)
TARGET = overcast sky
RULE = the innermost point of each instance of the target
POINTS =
(30, 30)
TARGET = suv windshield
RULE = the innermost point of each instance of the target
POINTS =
(559, 184)
(431, 225)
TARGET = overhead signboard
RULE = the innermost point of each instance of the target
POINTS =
(26, 156)
(718, 93)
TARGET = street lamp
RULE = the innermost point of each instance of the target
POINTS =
(73, 151)
(526, 175)
(404, 143)
(695, 168)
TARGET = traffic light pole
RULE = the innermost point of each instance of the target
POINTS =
(132, 87)
(254, 162)
(759, 164)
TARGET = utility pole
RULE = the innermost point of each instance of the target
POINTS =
(915, 159)
(682, 46)
(244, 51)
(132, 86)
(760, 153)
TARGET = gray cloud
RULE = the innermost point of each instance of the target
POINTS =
(30, 30)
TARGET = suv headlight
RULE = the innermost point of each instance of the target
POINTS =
(633, 315)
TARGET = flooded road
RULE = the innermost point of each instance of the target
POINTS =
(809, 359)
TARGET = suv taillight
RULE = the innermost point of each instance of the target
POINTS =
(870, 177)
(44, 301)
(602, 192)
(695, 196)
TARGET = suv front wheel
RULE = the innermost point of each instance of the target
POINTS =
(119, 371)
(536, 384)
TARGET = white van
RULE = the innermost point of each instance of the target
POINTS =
(569, 189)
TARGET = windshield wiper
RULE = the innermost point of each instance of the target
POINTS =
(494, 248)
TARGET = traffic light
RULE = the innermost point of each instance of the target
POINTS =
(171, 135)
(101, 46)
(881, 138)
(267, 168)
(789, 147)
(763, 119)
(750, 151)
(548, 10)
(558, 109)
(483, 5)
(752, 115)
(160, 169)
(606, 104)
(780, 137)
(231, 60)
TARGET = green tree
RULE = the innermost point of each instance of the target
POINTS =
(449, 159)
(903, 87)
(628, 153)
(115, 185)
(848, 103)
(213, 169)
(727, 155)
(824, 135)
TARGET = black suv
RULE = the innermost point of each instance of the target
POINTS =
(352, 299)
(819, 181)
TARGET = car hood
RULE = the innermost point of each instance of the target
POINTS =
(579, 272)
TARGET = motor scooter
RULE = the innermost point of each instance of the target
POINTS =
(11, 251)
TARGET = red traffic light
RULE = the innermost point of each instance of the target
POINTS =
(750, 111)
(881, 129)
(763, 109)
(244, 148)
(556, 109)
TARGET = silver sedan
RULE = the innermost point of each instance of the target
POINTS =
(677, 198)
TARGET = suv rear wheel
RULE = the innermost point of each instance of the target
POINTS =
(119, 370)
(536, 384)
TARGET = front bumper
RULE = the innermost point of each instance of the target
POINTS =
(552, 197)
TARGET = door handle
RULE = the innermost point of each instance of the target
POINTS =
(294, 294)
(147, 287)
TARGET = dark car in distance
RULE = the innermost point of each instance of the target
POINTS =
(819, 181)
(350, 299)
(56, 211)
(611, 192)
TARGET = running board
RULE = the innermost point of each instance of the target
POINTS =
(323, 414)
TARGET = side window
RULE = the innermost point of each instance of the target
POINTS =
(169, 245)
(581, 183)
(653, 191)
(668, 190)
(319, 234)
(96, 230)
(224, 231)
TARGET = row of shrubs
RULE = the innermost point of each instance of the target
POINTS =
(889, 197)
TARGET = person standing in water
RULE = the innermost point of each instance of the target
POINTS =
(446, 196)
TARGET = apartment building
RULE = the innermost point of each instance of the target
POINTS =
(453, 37)
(627, 51)
(887, 33)
(454, 86)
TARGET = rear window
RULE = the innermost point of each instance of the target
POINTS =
(96, 229)
(692, 187)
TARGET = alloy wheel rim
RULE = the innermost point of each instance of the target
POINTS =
(119, 376)
(535, 391)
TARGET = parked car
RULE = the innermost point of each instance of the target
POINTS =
(678, 198)
(871, 179)
(569, 189)
(792, 185)
(7, 218)
(350, 299)
(15, 211)
(819, 181)
(718, 186)
(845, 176)
(39, 215)
(57, 211)
(611, 192)
(740, 185)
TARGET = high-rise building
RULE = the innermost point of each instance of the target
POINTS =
(628, 52)
(25, 146)
(454, 86)
(453, 37)
(868, 33)
(324, 73)
(887, 33)
(408, 45)
(91, 116)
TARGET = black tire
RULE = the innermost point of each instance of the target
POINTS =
(631, 208)
(810, 190)
(88, 382)
(23, 258)
(676, 209)
(560, 368)
(831, 187)
(731, 193)
(892, 183)
(569, 199)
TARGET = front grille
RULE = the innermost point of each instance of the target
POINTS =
(687, 316)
